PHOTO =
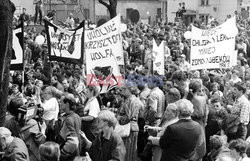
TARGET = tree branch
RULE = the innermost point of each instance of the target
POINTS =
(113, 2)
(103, 3)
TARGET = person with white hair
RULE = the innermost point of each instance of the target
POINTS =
(180, 139)
(14, 148)
(171, 115)
(183, 64)
(50, 105)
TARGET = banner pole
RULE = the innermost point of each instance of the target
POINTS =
(24, 64)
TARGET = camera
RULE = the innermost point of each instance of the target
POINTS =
(26, 112)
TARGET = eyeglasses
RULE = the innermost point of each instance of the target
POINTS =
(216, 106)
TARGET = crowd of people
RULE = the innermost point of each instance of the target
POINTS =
(183, 115)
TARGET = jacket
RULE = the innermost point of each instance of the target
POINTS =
(69, 137)
(179, 140)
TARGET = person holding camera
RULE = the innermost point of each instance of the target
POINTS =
(29, 130)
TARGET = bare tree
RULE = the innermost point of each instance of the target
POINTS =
(111, 7)
(7, 9)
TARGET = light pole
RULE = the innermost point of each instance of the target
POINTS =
(148, 17)
(94, 10)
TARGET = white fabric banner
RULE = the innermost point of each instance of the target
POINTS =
(17, 47)
(213, 48)
(17, 57)
(104, 54)
(65, 45)
(158, 57)
(105, 40)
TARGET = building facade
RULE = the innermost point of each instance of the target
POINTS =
(28, 4)
(83, 9)
(150, 10)
(219, 9)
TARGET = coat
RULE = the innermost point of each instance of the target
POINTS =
(30, 133)
(179, 140)
(69, 137)
(16, 151)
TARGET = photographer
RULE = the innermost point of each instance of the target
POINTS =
(28, 130)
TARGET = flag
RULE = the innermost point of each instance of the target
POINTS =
(65, 45)
(103, 49)
(17, 48)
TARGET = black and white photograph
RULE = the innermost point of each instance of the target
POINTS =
(124, 80)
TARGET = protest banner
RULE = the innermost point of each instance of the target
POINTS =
(107, 36)
(65, 45)
(17, 48)
(213, 48)
(103, 50)
(158, 57)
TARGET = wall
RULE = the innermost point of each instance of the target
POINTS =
(28, 4)
(89, 5)
(227, 7)
(174, 4)
(62, 10)
(142, 6)
(217, 8)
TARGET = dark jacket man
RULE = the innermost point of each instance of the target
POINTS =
(69, 130)
(180, 139)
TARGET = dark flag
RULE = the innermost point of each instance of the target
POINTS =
(17, 48)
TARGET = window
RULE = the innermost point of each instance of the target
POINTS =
(18, 9)
(86, 13)
(204, 2)
(128, 11)
(158, 12)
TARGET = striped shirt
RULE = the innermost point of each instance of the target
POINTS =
(242, 108)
